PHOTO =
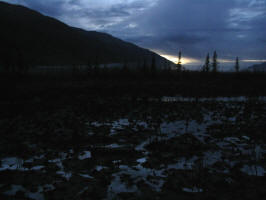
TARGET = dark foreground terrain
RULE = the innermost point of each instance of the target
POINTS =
(189, 136)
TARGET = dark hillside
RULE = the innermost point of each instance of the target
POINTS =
(43, 40)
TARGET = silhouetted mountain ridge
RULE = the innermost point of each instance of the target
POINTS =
(258, 67)
(43, 40)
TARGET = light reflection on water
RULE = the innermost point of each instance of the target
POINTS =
(206, 99)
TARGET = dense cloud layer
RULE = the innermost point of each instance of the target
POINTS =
(233, 28)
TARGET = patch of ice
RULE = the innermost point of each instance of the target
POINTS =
(99, 168)
(142, 123)
(14, 163)
(38, 167)
(232, 119)
(218, 99)
(117, 186)
(194, 189)
(29, 160)
(85, 155)
(246, 137)
(141, 146)
(233, 140)
(86, 176)
(97, 124)
(118, 125)
(48, 187)
(91, 133)
(31, 195)
(136, 173)
(253, 170)
(212, 157)
(58, 162)
(142, 160)
(11, 163)
(71, 151)
(113, 146)
(181, 127)
(183, 163)
(63, 155)
(64, 174)
(116, 161)
(156, 184)
(35, 195)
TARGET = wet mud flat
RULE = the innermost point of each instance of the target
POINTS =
(164, 148)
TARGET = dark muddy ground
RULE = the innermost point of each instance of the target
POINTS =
(135, 148)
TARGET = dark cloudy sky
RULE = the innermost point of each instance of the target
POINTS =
(232, 27)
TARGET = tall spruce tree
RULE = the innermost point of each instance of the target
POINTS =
(214, 62)
(206, 67)
(179, 64)
(237, 65)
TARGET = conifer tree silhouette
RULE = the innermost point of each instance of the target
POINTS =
(179, 64)
(214, 62)
(237, 65)
(206, 66)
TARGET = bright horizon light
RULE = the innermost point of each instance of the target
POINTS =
(256, 61)
(194, 61)
(184, 60)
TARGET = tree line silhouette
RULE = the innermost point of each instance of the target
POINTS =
(16, 63)
(208, 66)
